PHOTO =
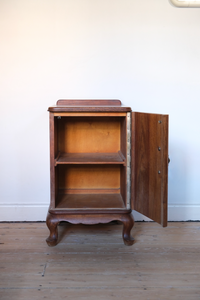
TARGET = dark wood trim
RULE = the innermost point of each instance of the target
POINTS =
(86, 102)
(52, 160)
(57, 109)
(53, 220)
(133, 170)
(122, 156)
(90, 158)
(89, 211)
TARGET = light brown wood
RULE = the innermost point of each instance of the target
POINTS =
(91, 134)
(90, 262)
(89, 176)
(89, 191)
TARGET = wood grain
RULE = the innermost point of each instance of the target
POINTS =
(53, 220)
(88, 176)
(85, 102)
(62, 109)
(88, 152)
(90, 262)
(53, 152)
(90, 191)
(91, 201)
(149, 165)
(89, 134)
(90, 158)
(90, 114)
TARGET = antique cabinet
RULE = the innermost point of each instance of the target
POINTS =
(106, 161)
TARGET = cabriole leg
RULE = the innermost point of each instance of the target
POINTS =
(128, 223)
(52, 223)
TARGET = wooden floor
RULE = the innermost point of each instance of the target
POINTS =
(91, 262)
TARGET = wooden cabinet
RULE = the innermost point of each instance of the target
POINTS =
(106, 161)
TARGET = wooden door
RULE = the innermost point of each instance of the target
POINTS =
(149, 164)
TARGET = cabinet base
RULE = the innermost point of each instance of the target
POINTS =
(53, 220)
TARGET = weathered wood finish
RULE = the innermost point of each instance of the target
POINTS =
(91, 262)
(150, 165)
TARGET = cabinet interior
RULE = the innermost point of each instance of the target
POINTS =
(90, 162)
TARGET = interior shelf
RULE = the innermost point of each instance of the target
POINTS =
(90, 158)
(89, 201)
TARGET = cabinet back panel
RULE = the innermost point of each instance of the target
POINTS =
(76, 178)
(91, 134)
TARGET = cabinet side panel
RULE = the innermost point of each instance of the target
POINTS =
(149, 173)
(133, 170)
(53, 150)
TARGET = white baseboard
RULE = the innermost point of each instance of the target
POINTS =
(176, 213)
(20, 213)
(183, 212)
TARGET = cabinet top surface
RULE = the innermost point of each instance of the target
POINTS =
(89, 106)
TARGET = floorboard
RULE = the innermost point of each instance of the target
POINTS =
(91, 262)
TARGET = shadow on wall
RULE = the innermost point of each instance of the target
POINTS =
(178, 176)
(178, 198)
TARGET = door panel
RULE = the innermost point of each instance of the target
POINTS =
(149, 176)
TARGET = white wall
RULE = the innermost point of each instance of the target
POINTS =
(146, 53)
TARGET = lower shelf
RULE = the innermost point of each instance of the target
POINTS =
(90, 201)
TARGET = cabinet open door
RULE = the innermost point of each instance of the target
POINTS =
(149, 164)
